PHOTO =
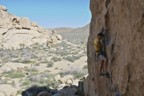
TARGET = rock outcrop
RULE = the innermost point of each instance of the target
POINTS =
(16, 31)
(45, 91)
(7, 90)
(124, 24)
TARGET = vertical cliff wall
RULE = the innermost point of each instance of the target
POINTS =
(124, 20)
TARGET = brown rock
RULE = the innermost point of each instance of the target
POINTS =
(124, 20)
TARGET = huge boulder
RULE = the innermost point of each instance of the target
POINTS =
(16, 31)
(25, 23)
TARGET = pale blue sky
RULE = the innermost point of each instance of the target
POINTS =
(52, 13)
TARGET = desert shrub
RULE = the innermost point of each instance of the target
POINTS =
(26, 83)
(15, 74)
(54, 84)
(74, 52)
(63, 44)
(72, 58)
(25, 61)
(50, 64)
(34, 71)
(61, 52)
(44, 79)
(19, 92)
(44, 60)
(78, 74)
(55, 59)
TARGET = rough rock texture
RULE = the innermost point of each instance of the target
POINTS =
(16, 31)
(124, 20)
(4, 90)
(25, 23)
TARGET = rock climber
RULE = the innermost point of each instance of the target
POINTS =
(100, 54)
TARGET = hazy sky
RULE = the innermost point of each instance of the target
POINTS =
(51, 13)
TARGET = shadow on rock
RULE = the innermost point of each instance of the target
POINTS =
(46, 91)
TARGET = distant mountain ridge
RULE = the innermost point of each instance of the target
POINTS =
(77, 35)
(62, 29)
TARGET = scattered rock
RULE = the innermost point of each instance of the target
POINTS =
(54, 38)
(57, 77)
(25, 23)
(66, 79)
(34, 24)
(59, 37)
(8, 90)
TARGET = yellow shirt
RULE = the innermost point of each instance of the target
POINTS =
(97, 44)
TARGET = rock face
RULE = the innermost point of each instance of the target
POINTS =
(124, 21)
(16, 31)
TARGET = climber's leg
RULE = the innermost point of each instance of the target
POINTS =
(101, 66)
(102, 61)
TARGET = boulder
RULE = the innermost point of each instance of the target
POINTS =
(25, 23)
(34, 24)
(54, 39)
(18, 27)
(57, 77)
(59, 37)
(66, 79)
(3, 8)
(8, 90)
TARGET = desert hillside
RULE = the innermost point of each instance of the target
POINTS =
(77, 35)
(17, 31)
(34, 60)
(123, 21)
